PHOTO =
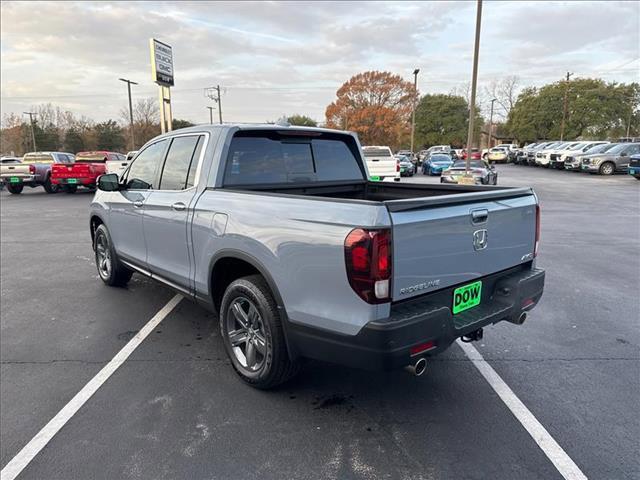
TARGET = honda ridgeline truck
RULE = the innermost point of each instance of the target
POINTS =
(279, 230)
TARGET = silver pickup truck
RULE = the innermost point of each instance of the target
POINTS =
(278, 230)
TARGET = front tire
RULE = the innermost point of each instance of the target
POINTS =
(252, 333)
(111, 271)
(607, 168)
(15, 189)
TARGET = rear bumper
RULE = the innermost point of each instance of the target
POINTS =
(28, 179)
(82, 181)
(385, 344)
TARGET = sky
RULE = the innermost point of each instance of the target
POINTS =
(280, 58)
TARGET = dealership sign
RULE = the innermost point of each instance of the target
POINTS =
(161, 63)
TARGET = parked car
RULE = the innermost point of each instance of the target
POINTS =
(574, 162)
(84, 172)
(475, 154)
(331, 266)
(634, 166)
(558, 158)
(521, 155)
(436, 163)
(407, 167)
(406, 153)
(498, 155)
(33, 171)
(532, 153)
(543, 156)
(483, 173)
(381, 163)
(7, 160)
(611, 161)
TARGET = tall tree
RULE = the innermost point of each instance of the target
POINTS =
(109, 136)
(505, 91)
(146, 120)
(177, 124)
(73, 140)
(376, 105)
(444, 120)
(596, 109)
(302, 120)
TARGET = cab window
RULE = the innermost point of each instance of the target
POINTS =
(142, 173)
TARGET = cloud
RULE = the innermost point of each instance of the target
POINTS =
(72, 53)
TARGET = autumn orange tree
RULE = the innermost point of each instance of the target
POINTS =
(375, 105)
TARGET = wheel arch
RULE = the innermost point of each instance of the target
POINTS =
(94, 222)
(228, 265)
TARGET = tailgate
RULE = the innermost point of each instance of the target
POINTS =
(440, 244)
(76, 170)
(14, 169)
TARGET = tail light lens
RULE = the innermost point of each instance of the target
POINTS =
(32, 169)
(368, 260)
(535, 248)
(397, 165)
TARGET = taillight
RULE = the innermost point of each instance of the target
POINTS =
(32, 169)
(537, 242)
(397, 165)
(368, 260)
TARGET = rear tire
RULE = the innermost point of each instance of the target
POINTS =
(607, 168)
(50, 187)
(111, 271)
(15, 189)
(253, 336)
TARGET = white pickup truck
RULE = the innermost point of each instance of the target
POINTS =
(381, 163)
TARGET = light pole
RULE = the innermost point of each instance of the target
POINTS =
(472, 106)
(33, 135)
(413, 112)
(491, 123)
(129, 83)
(564, 106)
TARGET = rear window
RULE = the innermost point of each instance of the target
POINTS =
(472, 164)
(91, 157)
(378, 152)
(39, 158)
(271, 159)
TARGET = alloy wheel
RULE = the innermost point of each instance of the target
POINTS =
(103, 257)
(246, 334)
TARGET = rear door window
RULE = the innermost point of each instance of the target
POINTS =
(181, 158)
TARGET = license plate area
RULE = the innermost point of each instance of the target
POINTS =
(72, 180)
(467, 296)
(14, 180)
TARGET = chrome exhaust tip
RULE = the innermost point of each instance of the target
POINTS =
(522, 318)
(417, 368)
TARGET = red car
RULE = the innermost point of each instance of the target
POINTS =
(84, 172)
(475, 154)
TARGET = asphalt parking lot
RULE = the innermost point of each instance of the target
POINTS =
(175, 408)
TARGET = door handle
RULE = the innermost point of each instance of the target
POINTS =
(479, 216)
(138, 203)
(178, 207)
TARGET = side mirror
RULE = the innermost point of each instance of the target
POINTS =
(108, 182)
(624, 154)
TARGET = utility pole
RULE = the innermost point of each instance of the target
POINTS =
(491, 124)
(214, 94)
(564, 106)
(129, 83)
(413, 112)
(210, 114)
(33, 134)
(472, 106)
(630, 115)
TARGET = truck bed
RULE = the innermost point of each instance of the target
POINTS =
(397, 197)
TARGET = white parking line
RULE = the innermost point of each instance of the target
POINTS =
(563, 463)
(37, 443)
